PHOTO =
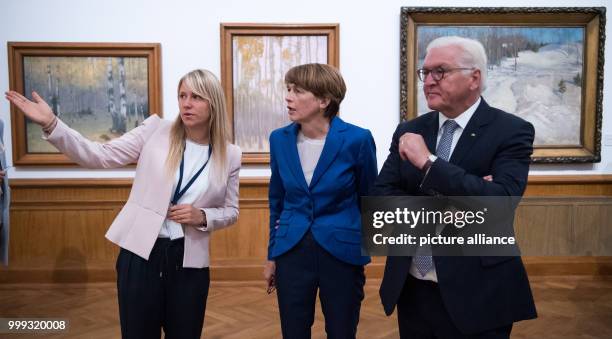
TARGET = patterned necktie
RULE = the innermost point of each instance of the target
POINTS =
(444, 147)
(424, 263)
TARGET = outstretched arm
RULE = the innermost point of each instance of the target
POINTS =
(116, 153)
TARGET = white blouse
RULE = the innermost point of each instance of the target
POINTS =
(195, 156)
(309, 151)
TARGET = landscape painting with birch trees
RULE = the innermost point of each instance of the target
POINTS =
(533, 72)
(101, 97)
(259, 67)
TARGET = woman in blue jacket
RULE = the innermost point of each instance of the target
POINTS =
(320, 166)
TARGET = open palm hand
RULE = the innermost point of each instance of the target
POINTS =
(37, 110)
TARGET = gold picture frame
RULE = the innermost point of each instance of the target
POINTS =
(254, 58)
(100, 89)
(569, 129)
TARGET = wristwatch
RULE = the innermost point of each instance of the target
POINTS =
(204, 223)
(430, 160)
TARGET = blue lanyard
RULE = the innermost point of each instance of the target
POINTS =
(178, 193)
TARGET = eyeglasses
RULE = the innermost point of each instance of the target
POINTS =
(438, 73)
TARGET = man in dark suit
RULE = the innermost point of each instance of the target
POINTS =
(464, 147)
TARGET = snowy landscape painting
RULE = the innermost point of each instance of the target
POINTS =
(101, 97)
(533, 72)
(545, 64)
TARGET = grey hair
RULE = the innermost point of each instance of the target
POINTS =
(473, 55)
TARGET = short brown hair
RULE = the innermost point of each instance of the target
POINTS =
(324, 81)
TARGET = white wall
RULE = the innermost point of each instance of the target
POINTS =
(189, 34)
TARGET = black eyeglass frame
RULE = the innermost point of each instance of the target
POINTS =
(439, 73)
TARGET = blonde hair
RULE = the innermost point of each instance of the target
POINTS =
(206, 85)
(322, 80)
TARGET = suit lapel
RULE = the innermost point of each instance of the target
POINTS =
(291, 152)
(333, 144)
(472, 131)
(214, 188)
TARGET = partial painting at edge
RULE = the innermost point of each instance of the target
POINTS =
(101, 97)
(259, 67)
(533, 72)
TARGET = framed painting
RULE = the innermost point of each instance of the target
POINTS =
(102, 90)
(544, 65)
(254, 60)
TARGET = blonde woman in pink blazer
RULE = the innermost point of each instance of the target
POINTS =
(185, 187)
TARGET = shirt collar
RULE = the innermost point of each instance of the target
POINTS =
(463, 118)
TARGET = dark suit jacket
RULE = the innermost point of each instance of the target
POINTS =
(329, 206)
(480, 293)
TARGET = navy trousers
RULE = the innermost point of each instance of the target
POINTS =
(306, 269)
(421, 314)
(160, 293)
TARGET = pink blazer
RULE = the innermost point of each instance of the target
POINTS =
(138, 224)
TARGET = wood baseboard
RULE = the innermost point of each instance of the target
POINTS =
(251, 270)
(58, 226)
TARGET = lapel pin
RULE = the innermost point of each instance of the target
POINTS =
(473, 134)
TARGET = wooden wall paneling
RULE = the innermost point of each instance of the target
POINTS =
(243, 241)
(568, 265)
(569, 186)
(592, 232)
(62, 237)
(542, 226)
(58, 227)
(565, 226)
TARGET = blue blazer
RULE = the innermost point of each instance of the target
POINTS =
(330, 206)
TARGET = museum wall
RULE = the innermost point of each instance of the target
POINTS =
(60, 214)
(189, 34)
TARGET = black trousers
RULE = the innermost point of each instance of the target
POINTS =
(160, 293)
(307, 268)
(421, 314)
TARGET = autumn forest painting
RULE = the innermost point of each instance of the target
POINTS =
(101, 97)
(259, 67)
